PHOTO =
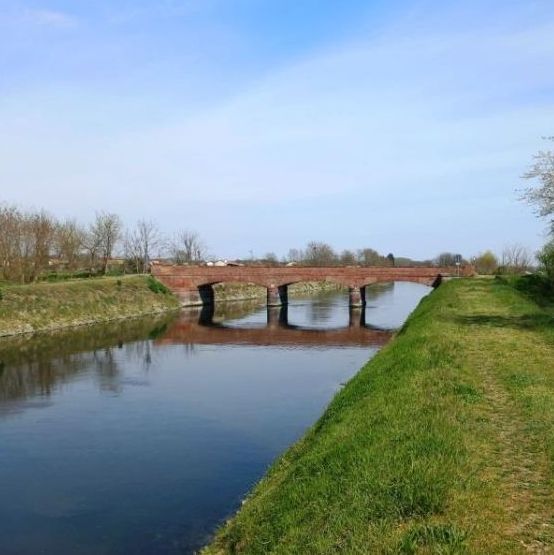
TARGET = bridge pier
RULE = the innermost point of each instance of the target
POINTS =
(356, 296)
(277, 295)
(356, 317)
(277, 316)
(206, 294)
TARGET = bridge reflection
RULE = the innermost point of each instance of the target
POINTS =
(202, 328)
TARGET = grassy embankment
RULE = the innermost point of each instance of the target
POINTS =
(443, 443)
(50, 306)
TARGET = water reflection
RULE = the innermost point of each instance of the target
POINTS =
(39, 364)
(201, 327)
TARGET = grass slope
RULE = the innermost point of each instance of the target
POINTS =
(443, 443)
(49, 306)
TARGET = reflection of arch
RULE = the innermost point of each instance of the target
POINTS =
(199, 328)
(278, 316)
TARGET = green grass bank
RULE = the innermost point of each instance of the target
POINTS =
(443, 443)
(51, 306)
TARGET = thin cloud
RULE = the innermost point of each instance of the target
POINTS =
(49, 18)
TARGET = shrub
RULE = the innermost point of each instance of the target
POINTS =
(157, 287)
(546, 259)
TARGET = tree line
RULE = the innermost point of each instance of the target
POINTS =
(33, 243)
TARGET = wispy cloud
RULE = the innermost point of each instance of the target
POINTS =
(48, 18)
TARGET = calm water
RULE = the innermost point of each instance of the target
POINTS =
(141, 437)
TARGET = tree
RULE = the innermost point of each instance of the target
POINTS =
(10, 224)
(68, 243)
(390, 258)
(141, 243)
(102, 238)
(546, 260)
(447, 259)
(370, 257)
(271, 259)
(516, 259)
(26, 243)
(295, 255)
(347, 257)
(187, 247)
(486, 263)
(319, 254)
(542, 196)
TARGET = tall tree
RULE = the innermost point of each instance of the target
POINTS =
(104, 234)
(68, 242)
(142, 243)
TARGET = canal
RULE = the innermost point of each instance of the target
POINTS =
(142, 436)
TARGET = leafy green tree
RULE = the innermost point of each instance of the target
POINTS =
(546, 260)
(486, 263)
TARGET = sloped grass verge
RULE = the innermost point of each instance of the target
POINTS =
(50, 306)
(428, 449)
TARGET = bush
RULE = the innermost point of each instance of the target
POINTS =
(157, 287)
(538, 286)
(546, 259)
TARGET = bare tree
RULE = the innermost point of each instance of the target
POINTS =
(68, 243)
(370, 257)
(187, 247)
(41, 229)
(516, 259)
(347, 257)
(26, 243)
(447, 259)
(10, 223)
(142, 243)
(103, 236)
(295, 255)
(318, 253)
(92, 244)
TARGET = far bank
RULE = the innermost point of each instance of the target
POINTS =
(51, 306)
(44, 306)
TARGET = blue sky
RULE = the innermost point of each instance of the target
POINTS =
(263, 124)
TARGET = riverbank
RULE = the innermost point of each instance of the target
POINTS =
(443, 443)
(52, 306)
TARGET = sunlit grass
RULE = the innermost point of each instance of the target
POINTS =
(443, 443)
(47, 306)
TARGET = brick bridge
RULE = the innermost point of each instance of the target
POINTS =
(193, 284)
